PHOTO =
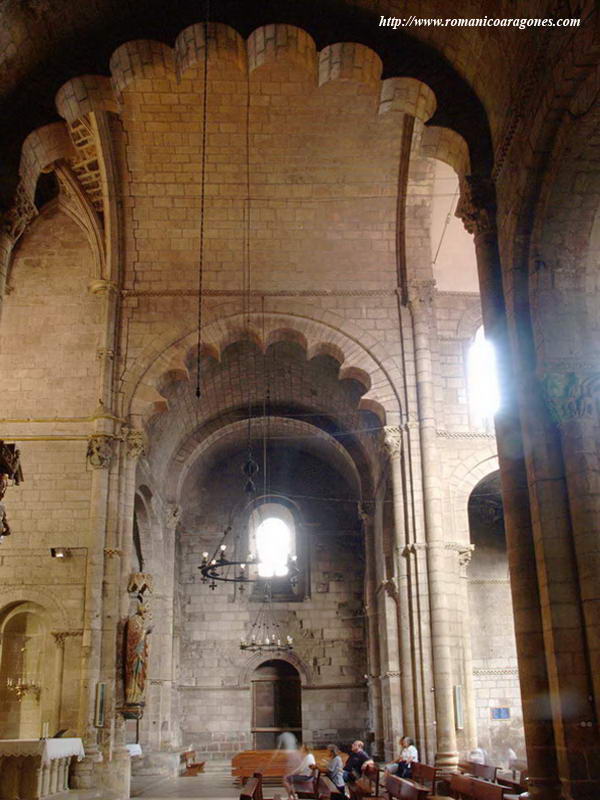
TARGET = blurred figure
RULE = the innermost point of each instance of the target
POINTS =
(303, 772)
(478, 756)
(287, 741)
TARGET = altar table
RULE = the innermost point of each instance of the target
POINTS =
(31, 769)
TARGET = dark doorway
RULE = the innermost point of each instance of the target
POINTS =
(276, 703)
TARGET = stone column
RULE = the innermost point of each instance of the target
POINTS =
(421, 306)
(386, 598)
(573, 402)
(393, 447)
(373, 661)
(167, 737)
(478, 212)
(464, 553)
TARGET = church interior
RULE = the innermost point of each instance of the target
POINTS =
(299, 371)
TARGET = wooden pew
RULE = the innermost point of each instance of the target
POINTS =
(327, 788)
(466, 787)
(252, 789)
(483, 771)
(370, 779)
(425, 775)
(403, 789)
(271, 763)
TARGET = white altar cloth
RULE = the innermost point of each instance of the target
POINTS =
(134, 749)
(47, 749)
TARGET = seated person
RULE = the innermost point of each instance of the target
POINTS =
(355, 763)
(303, 772)
(408, 753)
(335, 768)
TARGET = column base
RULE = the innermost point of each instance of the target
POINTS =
(447, 760)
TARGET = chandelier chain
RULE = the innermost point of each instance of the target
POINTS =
(202, 197)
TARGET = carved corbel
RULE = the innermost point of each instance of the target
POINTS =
(392, 440)
(172, 516)
(100, 450)
(140, 584)
(477, 204)
(18, 217)
(61, 636)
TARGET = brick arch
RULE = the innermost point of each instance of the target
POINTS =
(360, 350)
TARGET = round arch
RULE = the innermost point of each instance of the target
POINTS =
(360, 349)
(256, 659)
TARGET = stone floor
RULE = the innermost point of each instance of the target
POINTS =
(212, 786)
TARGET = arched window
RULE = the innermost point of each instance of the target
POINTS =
(272, 539)
(484, 394)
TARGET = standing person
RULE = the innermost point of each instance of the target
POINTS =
(402, 767)
(335, 768)
(356, 760)
(304, 772)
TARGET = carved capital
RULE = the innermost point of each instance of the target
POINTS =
(420, 293)
(100, 450)
(477, 204)
(111, 552)
(570, 395)
(18, 217)
(135, 441)
(392, 440)
(103, 353)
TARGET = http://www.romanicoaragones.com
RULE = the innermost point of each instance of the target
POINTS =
(478, 22)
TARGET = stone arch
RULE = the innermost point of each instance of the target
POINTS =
(224, 44)
(408, 96)
(281, 42)
(469, 323)
(256, 659)
(41, 148)
(349, 61)
(362, 351)
(446, 145)
(465, 477)
(57, 614)
(191, 449)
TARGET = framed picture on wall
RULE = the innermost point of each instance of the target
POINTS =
(99, 706)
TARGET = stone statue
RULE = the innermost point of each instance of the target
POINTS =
(136, 661)
(4, 526)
